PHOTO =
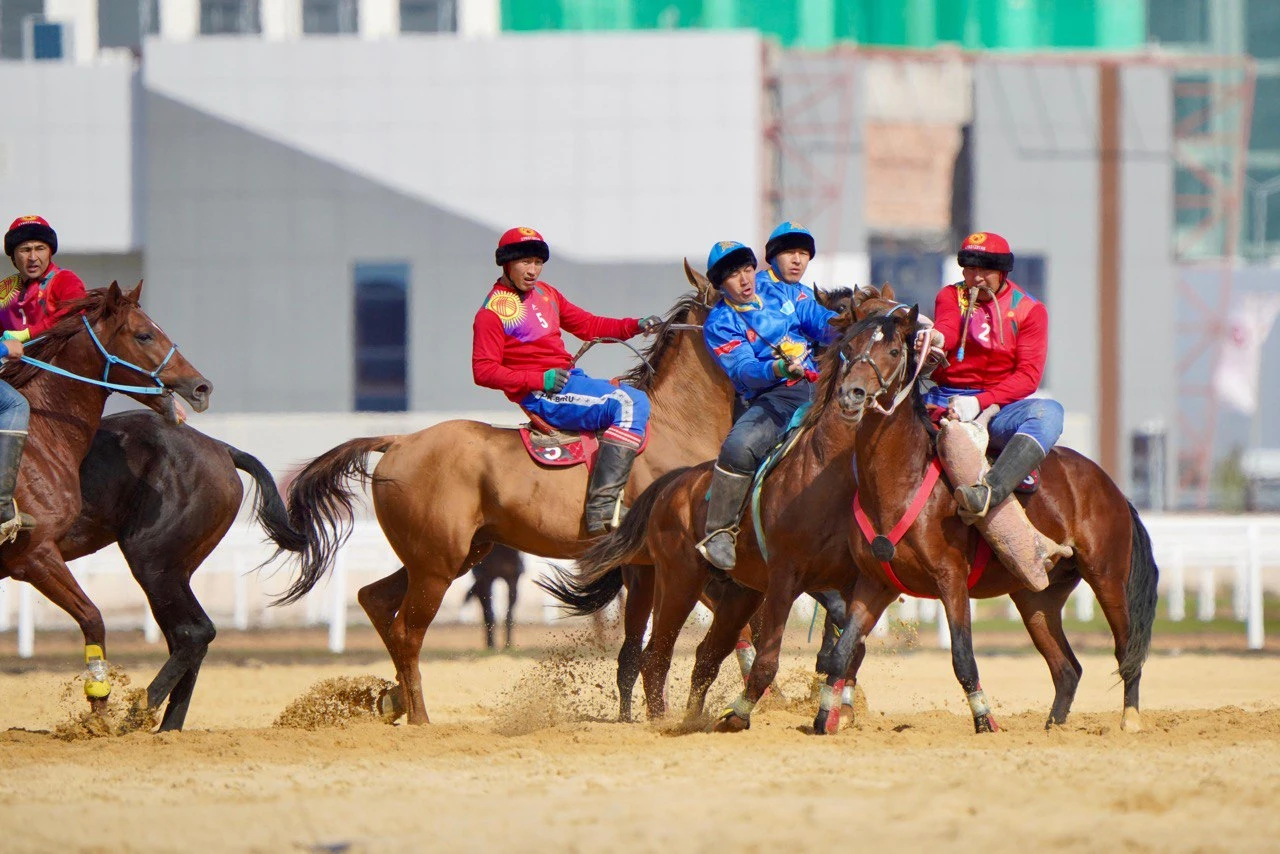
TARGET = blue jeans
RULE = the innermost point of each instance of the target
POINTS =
(586, 403)
(1037, 417)
(758, 430)
(15, 412)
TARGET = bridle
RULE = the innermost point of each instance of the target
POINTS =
(111, 359)
(898, 373)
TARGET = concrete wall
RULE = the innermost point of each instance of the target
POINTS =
(1036, 182)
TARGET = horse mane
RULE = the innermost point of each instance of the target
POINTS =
(829, 297)
(640, 377)
(51, 343)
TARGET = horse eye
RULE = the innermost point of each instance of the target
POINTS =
(894, 352)
(144, 338)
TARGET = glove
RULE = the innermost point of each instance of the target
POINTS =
(784, 369)
(933, 336)
(554, 380)
(964, 406)
(649, 323)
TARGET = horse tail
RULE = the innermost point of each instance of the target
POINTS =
(321, 508)
(599, 576)
(268, 506)
(1141, 595)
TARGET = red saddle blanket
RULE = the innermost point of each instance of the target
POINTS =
(551, 447)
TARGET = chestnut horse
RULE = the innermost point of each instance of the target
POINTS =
(444, 495)
(665, 524)
(168, 494)
(104, 335)
(1077, 504)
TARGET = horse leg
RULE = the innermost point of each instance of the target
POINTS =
(1042, 614)
(776, 609)
(43, 568)
(836, 615)
(636, 611)
(380, 601)
(484, 592)
(956, 603)
(188, 631)
(870, 598)
(733, 611)
(410, 626)
(848, 697)
(677, 584)
(511, 609)
(1114, 606)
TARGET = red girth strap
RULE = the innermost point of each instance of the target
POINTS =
(980, 558)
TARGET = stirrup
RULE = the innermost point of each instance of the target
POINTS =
(970, 516)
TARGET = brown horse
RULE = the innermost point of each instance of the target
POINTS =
(99, 333)
(445, 494)
(1076, 504)
(805, 540)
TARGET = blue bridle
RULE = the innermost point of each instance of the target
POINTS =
(112, 359)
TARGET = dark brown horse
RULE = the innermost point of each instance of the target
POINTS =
(800, 510)
(502, 563)
(168, 494)
(65, 414)
(1076, 504)
(444, 495)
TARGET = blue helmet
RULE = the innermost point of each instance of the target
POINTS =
(789, 235)
(727, 256)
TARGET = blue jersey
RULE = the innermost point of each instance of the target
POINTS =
(782, 320)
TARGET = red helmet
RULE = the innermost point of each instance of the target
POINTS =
(26, 228)
(517, 243)
(987, 250)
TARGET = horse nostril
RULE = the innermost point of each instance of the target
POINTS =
(203, 390)
(859, 394)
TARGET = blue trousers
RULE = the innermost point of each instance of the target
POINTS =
(1037, 417)
(760, 427)
(586, 403)
(15, 412)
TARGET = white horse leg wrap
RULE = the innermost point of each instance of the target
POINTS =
(742, 707)
(978, 703)
(846, 696)
(746, 654)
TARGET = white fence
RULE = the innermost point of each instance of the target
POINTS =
(1196, 553)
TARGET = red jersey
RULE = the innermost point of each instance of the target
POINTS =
(37, 306)
(517, 336)
(1005, 351)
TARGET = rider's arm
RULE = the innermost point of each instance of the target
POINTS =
(487, 344)
(589, 327)
(946, 318)
(1032, 350)
(735, 355)
(815, 321)
(65, 287)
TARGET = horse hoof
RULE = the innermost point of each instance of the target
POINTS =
(848, 714)
(391, 704)
(98, 705)
(731, 722)
(1131, 721)
(985, 723)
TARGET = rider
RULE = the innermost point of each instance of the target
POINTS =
(788, 252)
(762, 333)
(29, 304)
(996, 338)
(517, 349)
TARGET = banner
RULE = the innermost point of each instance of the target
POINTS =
(1235, 382)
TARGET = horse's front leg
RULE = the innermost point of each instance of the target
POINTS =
(776, 609)
(41, 565)
(870, 597)
(956, 602)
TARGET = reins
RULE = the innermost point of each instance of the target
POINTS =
(677, 327)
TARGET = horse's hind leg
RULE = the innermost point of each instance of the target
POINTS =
(639, 605)
(426, 590)
(484, 593)
(188, 631)
(380, 601)
(956, 603)
(678, 584)
(512, 582)
(1042, 614)
(732, 614)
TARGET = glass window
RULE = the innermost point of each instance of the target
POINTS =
(1265, 132)
(1262, 28)
(12, 15)
(381, 346)
(1178, 21)
(150, 17)
(120, 23)
(321, 17)
(428, 16)
(47, 39)
(220, 17)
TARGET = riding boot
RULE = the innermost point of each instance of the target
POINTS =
(1017, 460)
(11, 444)
(724, 506)
(604, 491)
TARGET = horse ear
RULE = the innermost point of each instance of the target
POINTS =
(913, 316)
(844, 319)
(135, 295)
(700, 282)
(114, 294)
(886, 291)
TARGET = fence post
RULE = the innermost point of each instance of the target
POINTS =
(1240, 589)
(1177, 589)
(338, 605)
(150, 629)
(26, 622)
(1207, 606)
(944, 628)
(1084, 603)
(5, 620)
(1254, 625)
(240, 608)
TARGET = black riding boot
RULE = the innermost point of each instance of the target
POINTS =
(604, 490)
(1017, 460)
(724, 506)
(11, 444)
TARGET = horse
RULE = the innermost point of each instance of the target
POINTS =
(168, 494)
(1077, 504)
(806, 545)
(105, 334)
(504, 563)
(444, 495)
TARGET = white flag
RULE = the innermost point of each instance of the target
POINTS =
(1240, 360)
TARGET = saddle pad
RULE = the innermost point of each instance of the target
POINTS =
(560, 449)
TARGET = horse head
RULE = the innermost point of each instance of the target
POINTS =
(139, 353)
(878, 363)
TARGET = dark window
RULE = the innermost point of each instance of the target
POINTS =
(220, 17)
(1265, 133)
(47, 39)
(330, 17)
(382, 343)
(150, 17)
(1178, 21)
(428, 16)
(1262, 28)
(13, 14)
(121, 23)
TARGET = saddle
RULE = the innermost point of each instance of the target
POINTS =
(557, 448)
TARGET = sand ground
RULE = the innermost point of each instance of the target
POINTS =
(523, 755)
